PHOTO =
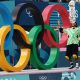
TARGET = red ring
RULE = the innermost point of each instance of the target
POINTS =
(66, 24)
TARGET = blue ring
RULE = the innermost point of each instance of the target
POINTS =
(7, 20)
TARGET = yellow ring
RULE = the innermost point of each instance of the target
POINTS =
(25, 53)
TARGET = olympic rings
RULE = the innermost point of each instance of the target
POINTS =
(25, 52)
(42, 77)
(29, 43)
(66, 24)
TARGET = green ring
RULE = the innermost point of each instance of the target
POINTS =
(54, 52)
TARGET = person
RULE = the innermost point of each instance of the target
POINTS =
(72, 44)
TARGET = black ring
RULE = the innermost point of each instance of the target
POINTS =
(37, 16)
(38, 19)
